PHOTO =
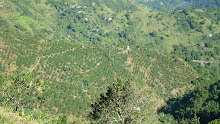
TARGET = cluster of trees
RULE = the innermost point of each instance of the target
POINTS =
(204, 4)
(118, 6)
(187, 22)
(202, 103)
(21, 91)
(206, 50)
(30, 21)
(60, 5)
(123, 101)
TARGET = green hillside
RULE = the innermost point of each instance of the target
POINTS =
(76, 51)
(93, 23)
(83, 69)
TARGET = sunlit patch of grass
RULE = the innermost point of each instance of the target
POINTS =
(26, 19)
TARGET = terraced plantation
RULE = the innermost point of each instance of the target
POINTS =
(107, 61)
(79, 73)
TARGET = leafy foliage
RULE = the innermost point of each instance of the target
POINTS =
(203, 103)
(123, 103)
(21, 90)
(205, 52)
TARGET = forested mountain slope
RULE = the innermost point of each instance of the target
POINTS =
(80, 48)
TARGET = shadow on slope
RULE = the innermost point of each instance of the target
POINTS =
(203, 102)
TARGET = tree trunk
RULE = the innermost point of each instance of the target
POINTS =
(16, 108)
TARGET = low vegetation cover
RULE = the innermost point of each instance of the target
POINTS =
(102, 61)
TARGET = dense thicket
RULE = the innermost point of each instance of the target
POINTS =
(204, 103)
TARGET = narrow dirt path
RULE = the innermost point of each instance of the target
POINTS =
(202, 62)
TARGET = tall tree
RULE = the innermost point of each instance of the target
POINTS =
(123, 103)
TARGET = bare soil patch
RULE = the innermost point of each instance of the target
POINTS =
(55, 109)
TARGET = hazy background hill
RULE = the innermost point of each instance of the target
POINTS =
(166, 5)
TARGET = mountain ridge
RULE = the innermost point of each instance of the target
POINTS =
(166, 5)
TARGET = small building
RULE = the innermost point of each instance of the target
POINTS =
(86, 19)
(128, 47)
(79, 7)
(137, 108)
(109, 19)
(210, 35)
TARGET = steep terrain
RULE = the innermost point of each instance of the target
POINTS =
(79, 73)
(81, 47)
